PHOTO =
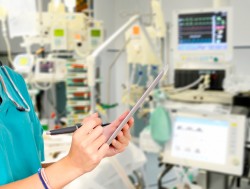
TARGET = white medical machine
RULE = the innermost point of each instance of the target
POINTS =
(23, 63)
(134, 21)
(202, 46)
(64, 31)
(139, 50)
(49, 70)
(213, 142)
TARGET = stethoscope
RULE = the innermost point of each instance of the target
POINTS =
(18, 106)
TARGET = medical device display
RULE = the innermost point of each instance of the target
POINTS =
(59, 38)
(49, 70)
(203, 35)
(207, 141)
(202, 31)
(95, 33)
(202, 46)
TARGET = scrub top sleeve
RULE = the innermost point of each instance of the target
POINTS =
(35, 120)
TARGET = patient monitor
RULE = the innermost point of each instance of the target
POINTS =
(207, 141)
(203, 36)
(202, 45)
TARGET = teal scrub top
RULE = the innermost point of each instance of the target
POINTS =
(21, 142)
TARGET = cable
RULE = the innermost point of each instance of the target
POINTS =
(195, 83)
(165, 182)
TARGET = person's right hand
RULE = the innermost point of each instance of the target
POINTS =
(88, 146)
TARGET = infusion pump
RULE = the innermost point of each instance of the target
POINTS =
(67, 32)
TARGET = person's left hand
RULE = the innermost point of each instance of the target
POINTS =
(122, 140)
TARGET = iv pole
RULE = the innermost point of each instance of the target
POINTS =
(91, 59)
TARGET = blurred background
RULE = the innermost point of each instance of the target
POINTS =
(83, 56)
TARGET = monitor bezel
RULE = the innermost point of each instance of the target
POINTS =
(224, 54)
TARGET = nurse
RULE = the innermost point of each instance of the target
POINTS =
(21, 143)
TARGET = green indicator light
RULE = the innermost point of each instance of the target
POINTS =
(95, 33)
(58, 32)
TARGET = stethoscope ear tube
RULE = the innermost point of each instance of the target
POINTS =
(18, 107)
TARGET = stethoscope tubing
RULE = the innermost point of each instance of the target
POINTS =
(19, 107)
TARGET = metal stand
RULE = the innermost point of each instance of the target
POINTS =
(216, 180)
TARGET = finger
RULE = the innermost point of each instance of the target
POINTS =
(125, 128)
(121, 138)
(103, 150)
(116, 122)
(117, 145)
(122, 117)
(95, 133)
(88, 126)
(131, 122)
(99, 141)
(126, 132)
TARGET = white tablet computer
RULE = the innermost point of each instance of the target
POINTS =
(136, 106)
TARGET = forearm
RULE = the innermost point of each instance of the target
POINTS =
(30, 182)
(62, 173)
(59, 174)
(45, 165)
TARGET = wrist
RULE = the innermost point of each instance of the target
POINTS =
(62, 173)
(71, 166)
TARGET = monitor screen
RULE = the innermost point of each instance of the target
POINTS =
(202, 31)
(210, 141)
(200, 139)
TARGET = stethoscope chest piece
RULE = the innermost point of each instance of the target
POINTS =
(20, 108)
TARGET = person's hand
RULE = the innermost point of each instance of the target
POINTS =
(88, 146)
(122, 140)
